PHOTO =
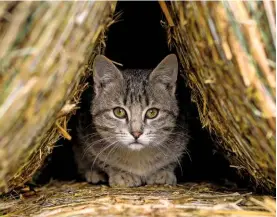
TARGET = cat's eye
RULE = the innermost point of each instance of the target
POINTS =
(119, 112)
(152, 113)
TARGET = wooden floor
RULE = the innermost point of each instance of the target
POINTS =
(81, 199)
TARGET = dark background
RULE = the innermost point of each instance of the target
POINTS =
(138, 40)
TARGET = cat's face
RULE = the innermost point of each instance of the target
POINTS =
(135, 108)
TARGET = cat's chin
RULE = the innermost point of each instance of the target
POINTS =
(136, 146)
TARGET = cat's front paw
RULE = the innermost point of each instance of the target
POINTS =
(162, 177)
(95, 176)
(122, 179)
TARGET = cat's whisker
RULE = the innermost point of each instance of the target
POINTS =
(95, 143)
(187, 152)
(176, 158)
(91, 134)
(101, 151)
(110, 152)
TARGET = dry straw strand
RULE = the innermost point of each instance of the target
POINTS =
(225, 51)
(45, 47)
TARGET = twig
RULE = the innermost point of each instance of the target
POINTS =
(166, 13)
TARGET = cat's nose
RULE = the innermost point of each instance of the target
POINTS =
(136, 134)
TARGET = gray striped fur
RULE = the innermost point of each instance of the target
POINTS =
(107, 146)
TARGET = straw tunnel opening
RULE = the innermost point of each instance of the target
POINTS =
(139, 40)
(46, 53)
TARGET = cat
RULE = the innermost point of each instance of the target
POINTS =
(135, 136)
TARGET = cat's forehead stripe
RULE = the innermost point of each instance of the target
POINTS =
(135, 92)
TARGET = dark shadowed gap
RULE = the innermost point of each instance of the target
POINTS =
(138, 40)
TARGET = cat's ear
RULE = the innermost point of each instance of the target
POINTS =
(166, 73)
(104, 73)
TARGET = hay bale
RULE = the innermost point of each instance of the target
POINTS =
(227, 50)
(45, 47)
(83, 199)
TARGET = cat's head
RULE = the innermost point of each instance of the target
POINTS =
(135, 108)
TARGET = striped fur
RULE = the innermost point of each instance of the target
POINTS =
(108, 145)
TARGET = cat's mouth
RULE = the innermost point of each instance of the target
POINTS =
(136, 146)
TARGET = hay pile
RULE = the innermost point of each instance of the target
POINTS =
(44, 49)
(227, 50)
(82, 199)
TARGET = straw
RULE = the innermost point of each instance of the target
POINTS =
(226, 53)
(45, 51)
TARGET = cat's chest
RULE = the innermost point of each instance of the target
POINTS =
(140, 163)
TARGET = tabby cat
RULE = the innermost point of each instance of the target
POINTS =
(135, 136)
